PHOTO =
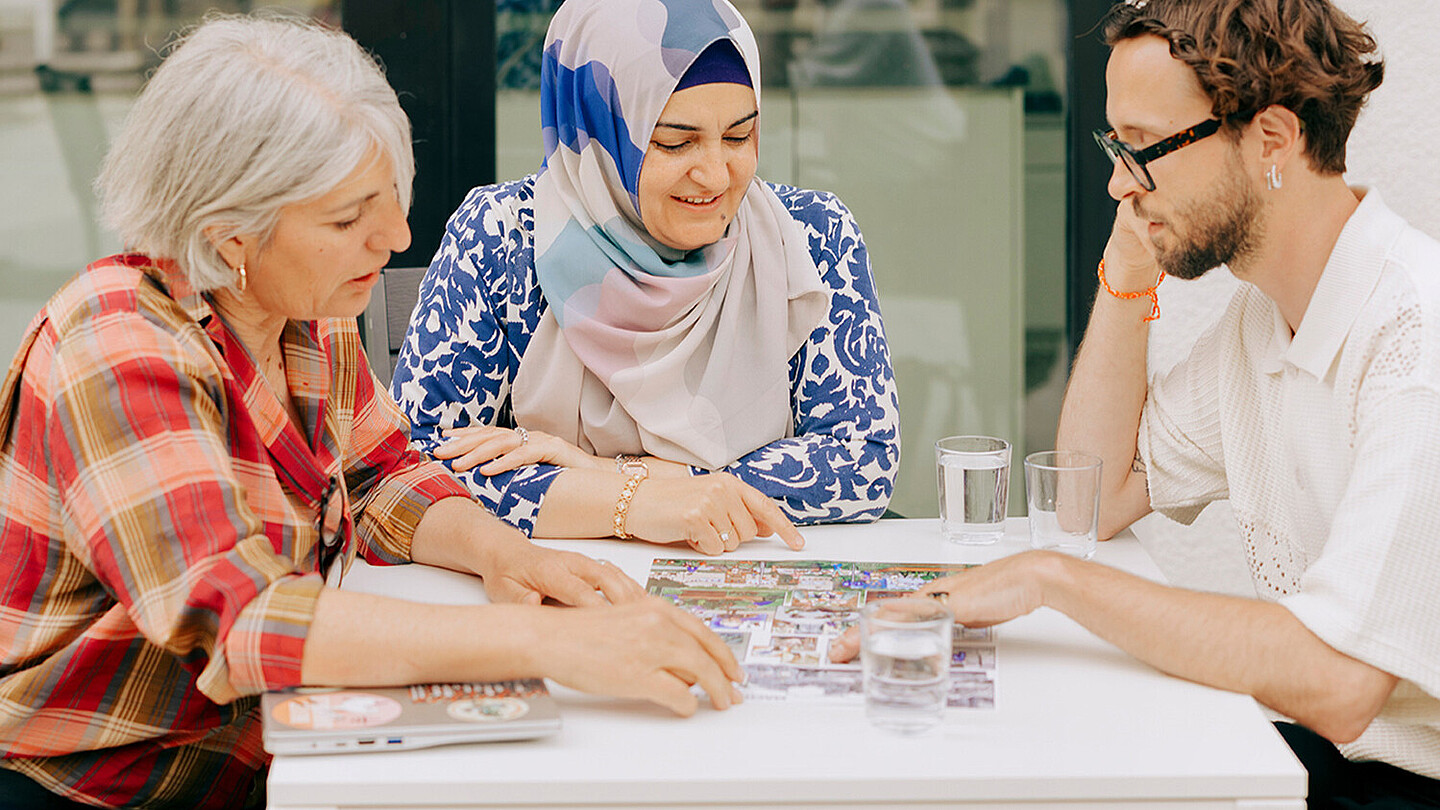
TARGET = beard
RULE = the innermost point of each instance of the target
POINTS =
(1220, 230)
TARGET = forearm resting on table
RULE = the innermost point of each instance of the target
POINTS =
(459, 534)
(646, 649)
(1242, 645)
(1103, 402)
(359, 639)
(580, 503)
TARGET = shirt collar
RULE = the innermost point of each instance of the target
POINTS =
(307, 360)
(1349, 278)
(178, 286)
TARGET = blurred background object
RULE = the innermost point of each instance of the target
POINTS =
(938, 122)
(68, 72)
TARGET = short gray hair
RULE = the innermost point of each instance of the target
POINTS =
(246, 115)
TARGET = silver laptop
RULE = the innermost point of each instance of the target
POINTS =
(332, 721)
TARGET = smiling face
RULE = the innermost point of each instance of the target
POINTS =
(700, 161)
(325, 254)
(1205, 209)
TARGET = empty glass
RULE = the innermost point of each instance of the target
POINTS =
(1062, 489)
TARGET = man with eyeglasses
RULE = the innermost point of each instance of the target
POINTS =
(1313, 405)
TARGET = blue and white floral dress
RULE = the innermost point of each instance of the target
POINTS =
(480, 303)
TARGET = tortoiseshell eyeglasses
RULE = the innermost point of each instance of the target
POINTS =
(1135, 159)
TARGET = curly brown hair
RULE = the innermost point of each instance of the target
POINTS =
(1304, 55)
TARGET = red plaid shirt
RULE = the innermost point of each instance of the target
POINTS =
(158, 530)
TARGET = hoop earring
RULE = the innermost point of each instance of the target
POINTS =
(1273, 180)
(244, 280)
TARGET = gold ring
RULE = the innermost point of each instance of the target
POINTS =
(943, 597)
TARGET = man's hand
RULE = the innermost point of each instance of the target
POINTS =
(1130, 263)
(977, 597)
(648, 649)
(1106, 392)
(712, 513)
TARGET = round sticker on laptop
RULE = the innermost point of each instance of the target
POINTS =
(336, 710)
(488, 709)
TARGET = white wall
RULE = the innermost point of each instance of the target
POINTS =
(1392, 150)
(1394, 145)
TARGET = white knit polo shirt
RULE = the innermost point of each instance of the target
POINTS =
(1328, 446)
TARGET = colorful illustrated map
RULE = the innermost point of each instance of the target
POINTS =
(779, 618)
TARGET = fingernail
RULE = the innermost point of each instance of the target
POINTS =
(736, 696)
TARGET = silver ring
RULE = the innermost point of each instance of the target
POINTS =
(724, 537)
(523, 434)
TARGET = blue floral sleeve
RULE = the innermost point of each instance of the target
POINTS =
(469, 329)
(480, 303)
(840, 465)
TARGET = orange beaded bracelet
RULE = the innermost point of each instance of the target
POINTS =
(1130, 296)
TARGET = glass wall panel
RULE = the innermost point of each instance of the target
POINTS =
(69, 70)
(940, 124)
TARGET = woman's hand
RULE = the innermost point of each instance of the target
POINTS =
(712, 513)
(977, 597)
(497, 449)
(516, 570)
(457, 533)
(648, 649)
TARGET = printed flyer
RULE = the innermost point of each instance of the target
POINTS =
(779, 618)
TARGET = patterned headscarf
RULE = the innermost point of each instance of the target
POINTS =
(644, 348)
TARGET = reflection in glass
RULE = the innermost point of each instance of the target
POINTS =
(68, 72)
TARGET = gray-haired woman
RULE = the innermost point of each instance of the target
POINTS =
(192, 440)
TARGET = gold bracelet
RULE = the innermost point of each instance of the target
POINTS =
(626, 464)
(622, 505)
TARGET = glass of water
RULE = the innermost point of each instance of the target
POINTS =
(1062, 488)
(905, 655)
(974, 477)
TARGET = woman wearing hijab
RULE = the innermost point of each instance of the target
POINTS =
(644, 339)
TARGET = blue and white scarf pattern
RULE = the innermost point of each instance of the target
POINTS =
(646, 349)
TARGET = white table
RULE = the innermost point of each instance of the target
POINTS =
(1077, 724)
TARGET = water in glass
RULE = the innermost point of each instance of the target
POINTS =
(907, 676)
(973, 492)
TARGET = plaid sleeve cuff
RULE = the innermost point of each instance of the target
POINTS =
(387, 518)
(266, 644)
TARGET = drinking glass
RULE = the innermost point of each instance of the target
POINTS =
(1062, 489)
(974, 478)
(905, 655)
